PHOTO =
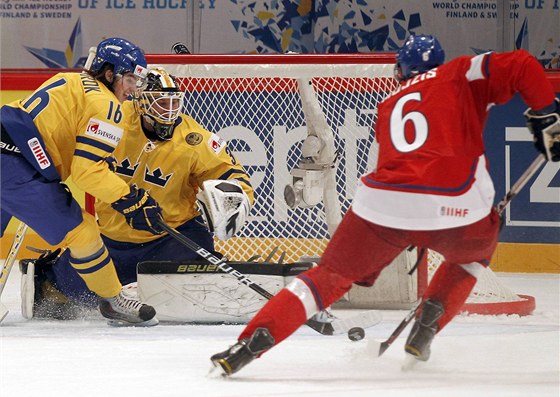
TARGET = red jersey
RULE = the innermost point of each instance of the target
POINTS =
(431, 173)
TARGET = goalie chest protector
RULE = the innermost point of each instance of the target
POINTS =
(199, 292)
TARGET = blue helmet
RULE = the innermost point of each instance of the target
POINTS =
(418, 54)
(122, 54)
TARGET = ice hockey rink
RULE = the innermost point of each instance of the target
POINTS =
(474, 356)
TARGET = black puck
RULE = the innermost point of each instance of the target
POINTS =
(356, 334)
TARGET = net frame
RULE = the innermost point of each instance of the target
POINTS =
(280, 76)
(342, 73)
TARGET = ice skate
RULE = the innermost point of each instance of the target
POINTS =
(125, 310)
(39, 297)
(242, 353)
(423, 331)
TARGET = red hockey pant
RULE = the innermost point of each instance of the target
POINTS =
(360, 250)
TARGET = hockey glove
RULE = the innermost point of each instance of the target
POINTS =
(141, 211)
(545, 127)
(224, 206)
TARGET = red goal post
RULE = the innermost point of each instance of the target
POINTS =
(302, 126)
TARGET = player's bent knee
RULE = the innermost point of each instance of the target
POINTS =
(318, 288)
(84, 240)
(300, 289)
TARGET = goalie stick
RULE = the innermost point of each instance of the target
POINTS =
(333, 326)
(9, 263)
(380, 347)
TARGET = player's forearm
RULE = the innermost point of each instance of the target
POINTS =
(98, 181)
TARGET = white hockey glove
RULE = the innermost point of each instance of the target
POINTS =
(224, 206)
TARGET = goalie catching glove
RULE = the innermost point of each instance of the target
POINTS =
(545, 126)
(224, 206)
(141, 211)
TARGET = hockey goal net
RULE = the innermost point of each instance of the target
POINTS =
(302, 126)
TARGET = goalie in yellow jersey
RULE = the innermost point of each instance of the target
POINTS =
(69, 127)
(180, 163)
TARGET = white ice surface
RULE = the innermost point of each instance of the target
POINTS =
(474, 356)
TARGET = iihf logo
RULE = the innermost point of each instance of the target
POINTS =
(453, 211)
(39, 153)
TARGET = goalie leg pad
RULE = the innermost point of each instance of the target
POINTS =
(198, 292)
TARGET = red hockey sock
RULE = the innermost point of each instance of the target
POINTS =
(451, 286)
(282, 316)
(285, 312)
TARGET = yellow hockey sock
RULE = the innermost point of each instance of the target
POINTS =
(98, 272)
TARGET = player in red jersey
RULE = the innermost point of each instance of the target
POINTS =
(431, 189)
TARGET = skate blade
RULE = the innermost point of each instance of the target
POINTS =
(216, 371)
(121, 323)
(410, 363)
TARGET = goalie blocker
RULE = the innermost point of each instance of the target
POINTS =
(199, 292)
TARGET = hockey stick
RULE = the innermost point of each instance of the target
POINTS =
(381, 347)
(515, 189)
(335, 327)
(9, 263)
(521, 182)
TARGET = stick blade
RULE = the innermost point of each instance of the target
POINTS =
(320, 327)
(374, 348)
(363, 320)
(340, 326)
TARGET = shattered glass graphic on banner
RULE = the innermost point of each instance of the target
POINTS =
(346, 26)
(287, 25)
(362, 28)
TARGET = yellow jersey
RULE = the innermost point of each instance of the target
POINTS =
(81, 122)
(172, 171)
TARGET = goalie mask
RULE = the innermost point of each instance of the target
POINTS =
(160, 103)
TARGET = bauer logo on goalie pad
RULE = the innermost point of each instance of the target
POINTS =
(267, 268)
(194, 138)
(104, 131)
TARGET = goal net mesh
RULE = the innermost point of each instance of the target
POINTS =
(254, 103)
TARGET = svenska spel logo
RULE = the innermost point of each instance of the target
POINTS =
(93, 127)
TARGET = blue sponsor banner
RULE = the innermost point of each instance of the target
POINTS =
(533, 215)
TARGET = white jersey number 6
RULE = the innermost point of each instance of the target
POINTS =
(398, 123)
